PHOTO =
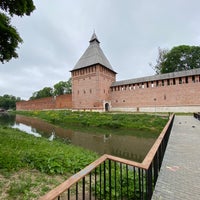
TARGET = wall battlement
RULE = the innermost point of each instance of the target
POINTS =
(94, 87)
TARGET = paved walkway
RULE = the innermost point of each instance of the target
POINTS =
(179, 178)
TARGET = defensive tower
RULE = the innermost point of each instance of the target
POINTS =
(92, 77)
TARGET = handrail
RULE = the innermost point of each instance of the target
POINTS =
(152, 152)
(73, 179)
(146, 165)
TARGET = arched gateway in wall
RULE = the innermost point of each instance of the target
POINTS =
(107, 107)
(94, 87)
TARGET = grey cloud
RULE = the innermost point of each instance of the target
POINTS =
(57, 34)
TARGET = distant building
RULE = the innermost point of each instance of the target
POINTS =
(94, 87)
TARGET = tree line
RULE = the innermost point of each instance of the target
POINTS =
(8, 102)
(63, 87)
(60, 88)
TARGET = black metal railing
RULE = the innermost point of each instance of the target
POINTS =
(154, 158)
(111, 177)
(197, 115)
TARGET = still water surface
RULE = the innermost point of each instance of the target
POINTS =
(125, 146)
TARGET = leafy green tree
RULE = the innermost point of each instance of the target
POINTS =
(9, 37)
(34, 96)
(68, 89)
(179, 58)
(45, 92)
(8, 101)
(161, 58)
(59, 88)
(63, 87)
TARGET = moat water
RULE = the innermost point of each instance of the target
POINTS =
(124, 146)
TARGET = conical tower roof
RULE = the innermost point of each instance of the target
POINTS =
(93, 55)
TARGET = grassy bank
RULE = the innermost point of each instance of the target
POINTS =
(30, 166)
(103, 121)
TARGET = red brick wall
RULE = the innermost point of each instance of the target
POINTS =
(60, 102)
(63, 101)
(184, 94)
(36, 104)
(90, 87)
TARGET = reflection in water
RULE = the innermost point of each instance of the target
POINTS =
(125, 146)
(6, 119)
(27, 129)
(106, 137)
(52, 136)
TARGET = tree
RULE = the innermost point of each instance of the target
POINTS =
(60, 88)
(68, 89)
(160, 59)
(179, 58)
(45, 92)
(8, 101)
(9, 37)
(63, 87)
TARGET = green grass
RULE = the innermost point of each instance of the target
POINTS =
(18, 150)
(27, 184)
(120, 123)
(20, 153)
(31, 166)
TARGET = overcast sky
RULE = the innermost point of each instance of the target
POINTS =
(130, 31)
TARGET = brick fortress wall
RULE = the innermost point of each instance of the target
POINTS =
(170, 95)
(48, 103)
(161, 95)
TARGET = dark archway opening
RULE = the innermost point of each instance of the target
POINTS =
(107, 107)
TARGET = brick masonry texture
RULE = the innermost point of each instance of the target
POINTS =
(94, 87)
(59, 102)
(91, 87)
(186, 94)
